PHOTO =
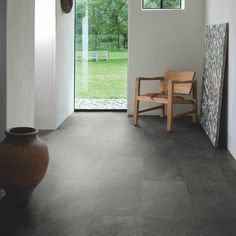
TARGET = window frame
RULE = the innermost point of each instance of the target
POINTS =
(161, 6)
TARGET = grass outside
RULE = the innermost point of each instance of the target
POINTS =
(102, 79)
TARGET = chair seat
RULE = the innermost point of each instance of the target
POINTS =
(163, 98)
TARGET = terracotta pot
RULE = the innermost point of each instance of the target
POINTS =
(23, 162)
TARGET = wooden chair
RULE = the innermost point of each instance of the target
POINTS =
(172, 85)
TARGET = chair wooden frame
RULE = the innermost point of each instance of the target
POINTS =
(172, 85)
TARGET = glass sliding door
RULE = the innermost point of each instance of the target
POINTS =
(101, 42)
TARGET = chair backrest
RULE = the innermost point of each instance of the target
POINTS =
(180, 76)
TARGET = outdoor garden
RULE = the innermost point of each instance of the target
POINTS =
(101, 49)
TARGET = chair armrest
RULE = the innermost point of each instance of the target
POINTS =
(183, 81)
(150, 78)
(138, 82)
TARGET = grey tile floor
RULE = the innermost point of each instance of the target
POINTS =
(108, 178)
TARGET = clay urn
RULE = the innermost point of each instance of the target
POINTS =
(23, 162)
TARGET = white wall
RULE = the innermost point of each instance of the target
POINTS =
(54, 64)
(218, 11)
(64, 64)
(45, 38)
(3, 36)
(164, 39)
(20, 63)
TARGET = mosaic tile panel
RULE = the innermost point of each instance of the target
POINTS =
(213, 79)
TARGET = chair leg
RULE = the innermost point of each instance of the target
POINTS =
(162, 111)
(170, 106)
(169, 117)
(136, 101)
(194, 116)
(136, 110)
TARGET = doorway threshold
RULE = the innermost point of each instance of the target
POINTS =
(100, 104)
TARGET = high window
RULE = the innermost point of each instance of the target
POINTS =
(161, 4)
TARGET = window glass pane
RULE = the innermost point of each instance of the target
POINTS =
(171, 4)
(151, 4)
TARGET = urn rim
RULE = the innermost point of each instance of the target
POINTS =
(21, 131)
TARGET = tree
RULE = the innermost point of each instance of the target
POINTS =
(115, 15)
(162, 4)
(105, 17)
(152, 4)
(171, 3)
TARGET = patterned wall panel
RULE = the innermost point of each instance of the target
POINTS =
(213, 79)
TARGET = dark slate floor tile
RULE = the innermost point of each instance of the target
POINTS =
(165, 227)
(115, 226)
(120, 196)
(216, 226)
(166, 200)
(161, 168)
(107, 177)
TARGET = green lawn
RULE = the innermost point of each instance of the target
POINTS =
(102, 79)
